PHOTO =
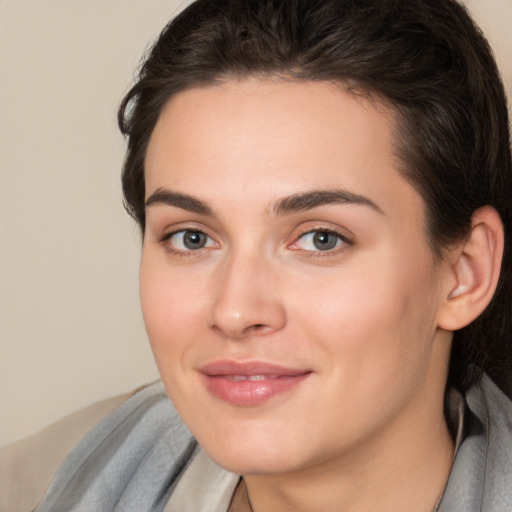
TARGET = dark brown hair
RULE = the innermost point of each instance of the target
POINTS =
(424, 58)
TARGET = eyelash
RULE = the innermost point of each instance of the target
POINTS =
(318, 253)
(165, 241)
(315, 253)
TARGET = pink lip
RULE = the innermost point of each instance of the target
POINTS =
(250, 383)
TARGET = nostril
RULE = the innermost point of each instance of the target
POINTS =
(255, 328)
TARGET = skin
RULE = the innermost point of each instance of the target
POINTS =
(365, 431)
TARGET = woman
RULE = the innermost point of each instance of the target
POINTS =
(324, 191)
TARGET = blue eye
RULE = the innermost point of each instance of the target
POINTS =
(320, 240)
(189, 240)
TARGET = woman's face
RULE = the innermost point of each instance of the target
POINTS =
(287, 285)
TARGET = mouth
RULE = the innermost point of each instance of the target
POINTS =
(250, 383)
(239, 378)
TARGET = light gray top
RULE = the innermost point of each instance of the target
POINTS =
(481, 476)
(141, 458)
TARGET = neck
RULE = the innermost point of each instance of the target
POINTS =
(392, 473)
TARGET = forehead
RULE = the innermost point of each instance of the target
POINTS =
(275, 138)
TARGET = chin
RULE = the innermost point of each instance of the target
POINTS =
(252, 463)
(244, 454)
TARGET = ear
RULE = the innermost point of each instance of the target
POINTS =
(473, 271)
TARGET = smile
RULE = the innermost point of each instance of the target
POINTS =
(238, 378)
(250, 383)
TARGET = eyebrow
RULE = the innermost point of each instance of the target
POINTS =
(287, 205)
(184, 201)
(309, 200)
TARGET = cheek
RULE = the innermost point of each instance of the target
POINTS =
(375, 319)
(172, 311)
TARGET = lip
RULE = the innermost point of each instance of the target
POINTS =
(250, 383)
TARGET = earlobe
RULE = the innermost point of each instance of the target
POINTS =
(474, 271)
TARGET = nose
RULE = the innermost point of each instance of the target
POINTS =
(247, 301)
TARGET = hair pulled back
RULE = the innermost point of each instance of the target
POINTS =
(424, 58)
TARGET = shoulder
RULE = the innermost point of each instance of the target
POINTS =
(27, 466)
(129, 461)
(495, 409)
(481, 477)
(141, 437)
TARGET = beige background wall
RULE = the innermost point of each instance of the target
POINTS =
(70, 328)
